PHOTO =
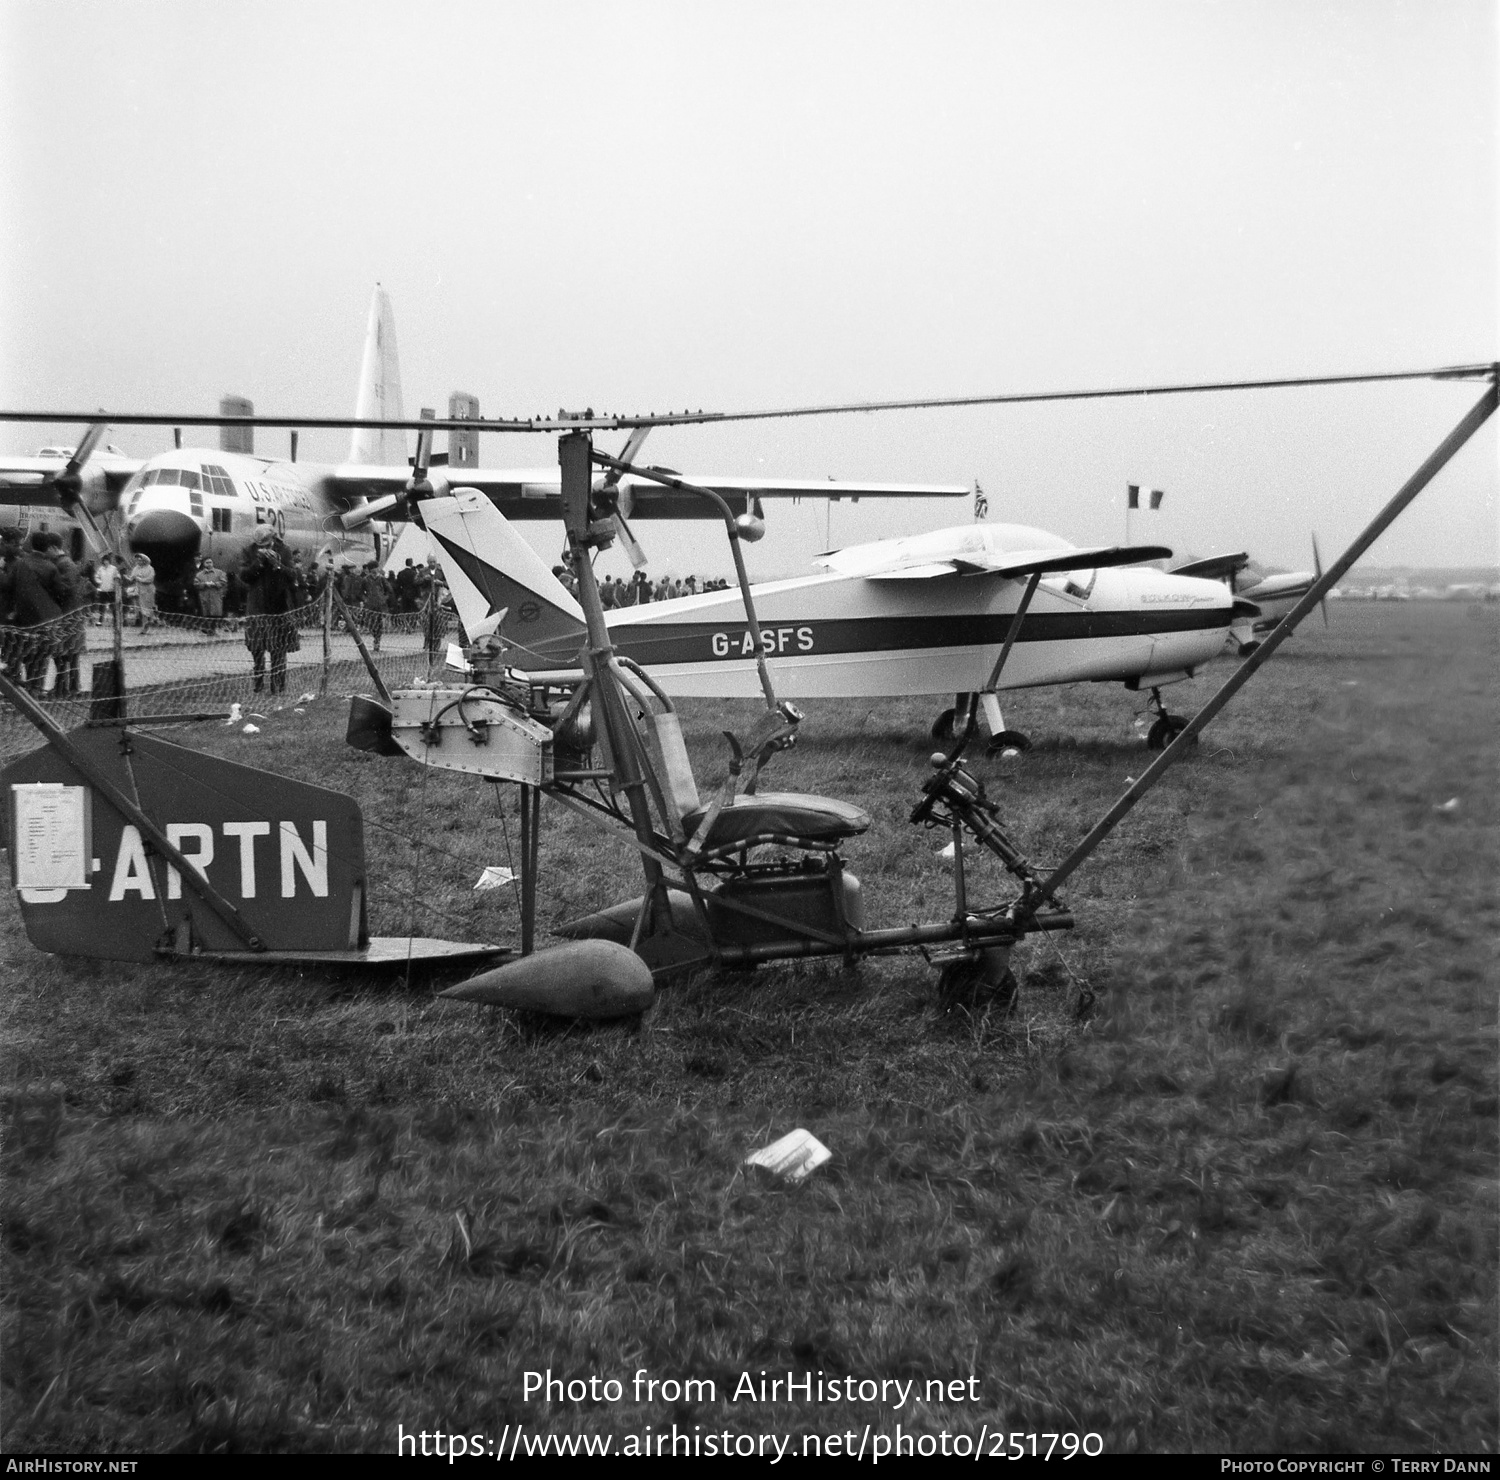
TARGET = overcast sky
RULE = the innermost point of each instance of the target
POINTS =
(641, 206)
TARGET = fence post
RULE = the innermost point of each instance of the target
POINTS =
(327, 633)
(117, 607)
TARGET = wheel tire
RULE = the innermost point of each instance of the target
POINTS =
(1010, 740)
(942, 726)
(973, 983)
(1166, 730)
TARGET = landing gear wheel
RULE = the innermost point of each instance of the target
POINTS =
(1009, 740)
(972, 983)
(1165, 731)
(942, 726)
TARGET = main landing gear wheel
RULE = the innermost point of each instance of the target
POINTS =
(942, 726)
(1168, 726)
(1009, 740)
(975, 982)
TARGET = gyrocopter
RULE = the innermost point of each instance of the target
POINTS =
(732, 877)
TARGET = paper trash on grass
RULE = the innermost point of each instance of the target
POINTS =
(495, 877)
(251, 730)
(1451, 805)
(796, 1155)
(945, 855)
(306, 698)
(235, 715)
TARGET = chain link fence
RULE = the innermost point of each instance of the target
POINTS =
(92, 664)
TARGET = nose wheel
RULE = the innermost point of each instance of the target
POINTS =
(1167, 726)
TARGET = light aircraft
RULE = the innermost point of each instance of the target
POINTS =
(180, 505)
(926, 614)
(1259, 602)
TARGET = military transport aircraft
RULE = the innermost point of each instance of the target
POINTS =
(926, 614)
(180, 505)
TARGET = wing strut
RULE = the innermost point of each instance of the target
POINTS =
(1012, 632)
(1455, 439)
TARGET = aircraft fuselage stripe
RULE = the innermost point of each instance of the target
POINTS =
(727, 641)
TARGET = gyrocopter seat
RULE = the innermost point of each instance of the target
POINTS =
(782, 818)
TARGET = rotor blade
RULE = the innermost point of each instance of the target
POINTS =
(1318, 567)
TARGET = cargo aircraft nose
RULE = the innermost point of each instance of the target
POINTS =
(169, 539)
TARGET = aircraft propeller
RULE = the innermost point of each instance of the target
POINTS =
(69, 487)
(419, 486)
(610, 484)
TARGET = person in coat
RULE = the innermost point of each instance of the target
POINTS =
(269, 628)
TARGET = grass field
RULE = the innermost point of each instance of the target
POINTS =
(1249, 1204)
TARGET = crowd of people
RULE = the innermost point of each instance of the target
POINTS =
(47, 601)
(42, 588)
(640, 588)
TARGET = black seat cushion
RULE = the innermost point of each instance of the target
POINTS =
(783, 814)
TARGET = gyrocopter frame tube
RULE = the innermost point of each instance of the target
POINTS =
(573, 458)
(751, 621)
(1455, 439)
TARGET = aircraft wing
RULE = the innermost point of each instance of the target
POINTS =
(1215, 567)
(1014, 564)
(28, 480)
(536, 493)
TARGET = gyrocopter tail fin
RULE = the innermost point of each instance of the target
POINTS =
(499, 583)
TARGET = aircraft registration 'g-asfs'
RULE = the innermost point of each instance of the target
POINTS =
(180, 505)
(927, 614)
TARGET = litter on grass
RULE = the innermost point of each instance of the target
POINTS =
(495, 877)
(251, 730)
(794, 1157)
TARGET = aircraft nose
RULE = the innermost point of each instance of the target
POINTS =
(169, 539)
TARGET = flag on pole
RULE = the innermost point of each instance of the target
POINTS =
(1132, 496)
(1156, 497)
(981, 503)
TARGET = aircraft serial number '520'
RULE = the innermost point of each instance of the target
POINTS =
(772, 639)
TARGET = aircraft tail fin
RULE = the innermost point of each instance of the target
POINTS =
(379, 390)
(490, 569)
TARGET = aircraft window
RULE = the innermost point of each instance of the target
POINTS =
(1079, 584)
(188, 478)
(195, 502)
(217, 481)
(223, 521)
(153, 475)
